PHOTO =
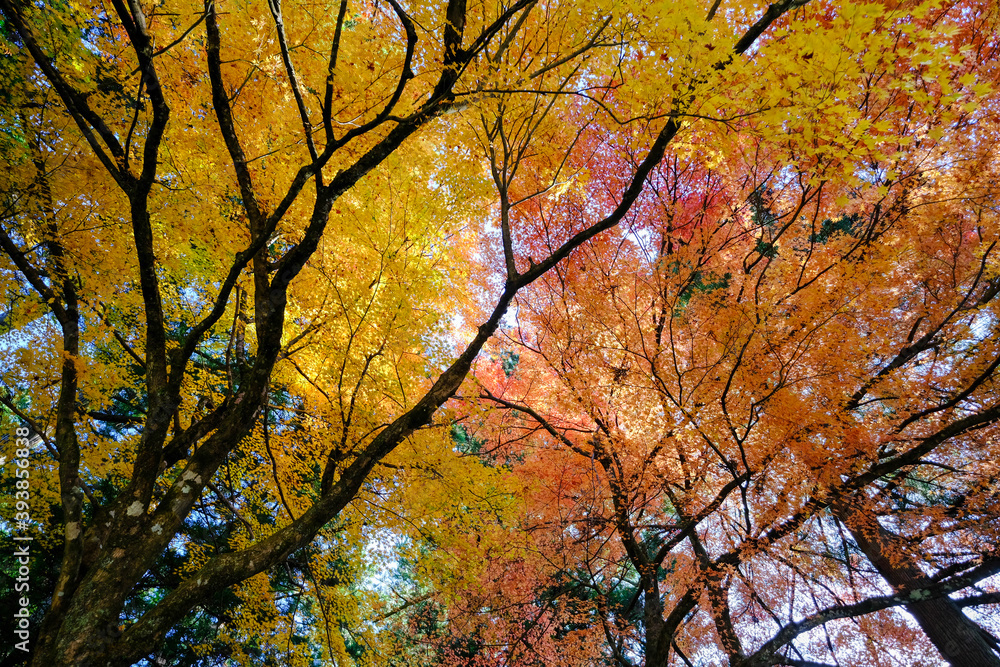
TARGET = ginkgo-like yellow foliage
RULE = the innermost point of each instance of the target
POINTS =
(495, 333)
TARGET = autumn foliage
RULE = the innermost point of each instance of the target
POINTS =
(516, 333)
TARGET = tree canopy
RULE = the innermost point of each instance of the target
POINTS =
(501, 333)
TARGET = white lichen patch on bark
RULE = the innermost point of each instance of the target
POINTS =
(189, 475)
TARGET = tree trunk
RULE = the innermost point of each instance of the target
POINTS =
(954, 634)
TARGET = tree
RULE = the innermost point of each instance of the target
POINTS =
(233, 246)
(768, 402)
